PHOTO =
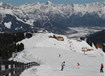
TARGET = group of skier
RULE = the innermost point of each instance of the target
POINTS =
(78, 66)
(63, 64)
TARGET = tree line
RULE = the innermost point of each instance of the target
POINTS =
(8, 43)
(97, 38)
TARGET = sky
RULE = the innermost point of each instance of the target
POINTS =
(20, 2)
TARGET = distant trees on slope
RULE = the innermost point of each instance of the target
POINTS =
(8, 43)
(97, 38)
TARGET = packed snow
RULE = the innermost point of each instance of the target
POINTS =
(44, 50)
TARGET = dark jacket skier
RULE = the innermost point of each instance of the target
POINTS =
(101, 68)
(62, 65)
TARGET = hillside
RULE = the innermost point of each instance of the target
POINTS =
(45, 50)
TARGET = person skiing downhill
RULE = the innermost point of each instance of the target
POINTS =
(101, 68)
(62, 65)
(78, 65)
(59, 55)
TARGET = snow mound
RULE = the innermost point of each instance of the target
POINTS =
(43, 40)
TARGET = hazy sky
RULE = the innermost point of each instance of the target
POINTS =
(19, 2)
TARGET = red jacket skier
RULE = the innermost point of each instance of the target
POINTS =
(78, 65)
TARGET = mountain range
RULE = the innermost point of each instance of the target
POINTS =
(57, 18)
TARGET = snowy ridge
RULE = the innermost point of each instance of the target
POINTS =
(40, 40)
(37, 11)
(56, 18)
(14, 11)
(65, 9)
(6, 11)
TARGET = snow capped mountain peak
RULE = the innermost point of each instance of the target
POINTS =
(49, 2)
(100, 3)
(5, 6)
(1, 3)
(68, 8)
(57, 16)
(65, 9)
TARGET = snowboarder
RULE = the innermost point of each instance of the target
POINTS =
(78, 65)
(101, 68)
(62, 65)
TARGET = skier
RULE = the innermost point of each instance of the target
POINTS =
(62, 65)
(59, 55)
(78, 65)
(101, 68)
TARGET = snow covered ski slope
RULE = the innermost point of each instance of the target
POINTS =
(46, 51)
